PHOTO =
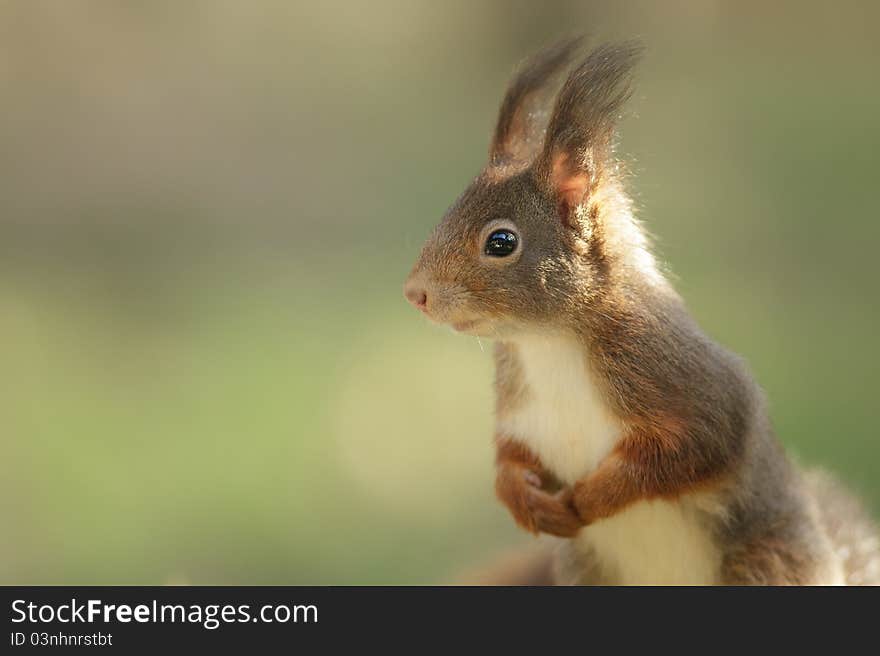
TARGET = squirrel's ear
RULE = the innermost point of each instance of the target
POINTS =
(523, 115)
(580, 135)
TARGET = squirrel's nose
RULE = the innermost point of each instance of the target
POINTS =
(416, 295)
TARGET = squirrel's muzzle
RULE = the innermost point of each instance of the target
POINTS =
(416, 294)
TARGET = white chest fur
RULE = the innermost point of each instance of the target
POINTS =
(563, 418)
(565, 422)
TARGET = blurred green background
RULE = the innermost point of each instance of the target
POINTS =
(207, 210)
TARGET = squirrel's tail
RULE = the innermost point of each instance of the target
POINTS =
(854, 536)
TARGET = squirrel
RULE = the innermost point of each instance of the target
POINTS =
(642, 447)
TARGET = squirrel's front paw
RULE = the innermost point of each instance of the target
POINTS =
(512, 483)
(533, 508)
(554, 513)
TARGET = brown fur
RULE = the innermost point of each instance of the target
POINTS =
(693, 419)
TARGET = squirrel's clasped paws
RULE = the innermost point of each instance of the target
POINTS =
(534, 508)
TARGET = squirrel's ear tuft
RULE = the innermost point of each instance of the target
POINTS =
(580, 135)
(524, 113)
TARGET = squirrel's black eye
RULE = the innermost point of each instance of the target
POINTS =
(501, 243)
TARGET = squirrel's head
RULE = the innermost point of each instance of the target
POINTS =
(538, 233)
